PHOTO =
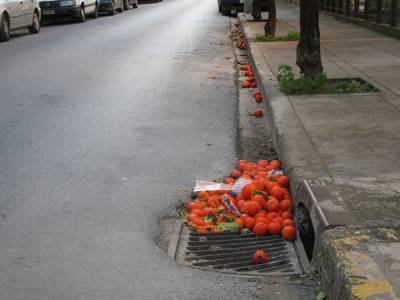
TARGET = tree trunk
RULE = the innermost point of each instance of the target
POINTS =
(308, 49)
(257, 10)
(270, 26)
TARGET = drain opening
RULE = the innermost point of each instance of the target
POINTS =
(232, 252)
(306, 230)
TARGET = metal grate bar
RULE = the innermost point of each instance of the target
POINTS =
(220, 249)
(271, 251)
(232, 252)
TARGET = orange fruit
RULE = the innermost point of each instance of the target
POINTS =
(261, 213)
(286, 205)
(248, 189)
(260, 199)
(272, 205)
(214, 201)
(278, 220)
(241, 164)
(236, 173)
(249, 223)
(258, 113)
(196, 220)
(246, 85)
(283, 181)
(193, 205)
(278, 192)
(275, 164)
(264, 220)
(203, 195)
(263, 162)
(260, 229)
(289, 233)
(259, 184)
(200, 212)
(274, 228)
(271, 185)
(288, 222)
(240, 222)
(272, 215)
(259, 257)
(229, 180)
(244, 216)
(210, 210)
(241, 205)
(286, 214)
(258, 98)
(252, 207)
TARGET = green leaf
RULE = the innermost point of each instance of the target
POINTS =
(320, 295)
(227, 218)
(262, 194)
(210, 218)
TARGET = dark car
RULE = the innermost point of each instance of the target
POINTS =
(227, 6)
(111, 6)
(134, 4)
(78, 9)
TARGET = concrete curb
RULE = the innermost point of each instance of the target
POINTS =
(281, 116)
(337, 246)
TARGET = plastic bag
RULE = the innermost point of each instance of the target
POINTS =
(203, 186)
(239, 184)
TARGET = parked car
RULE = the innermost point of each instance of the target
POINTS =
(226, 6)
(77, 9)
(17, 14)
(111, 6)
(134, 3)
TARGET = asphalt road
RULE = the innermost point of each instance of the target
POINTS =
(103, 126)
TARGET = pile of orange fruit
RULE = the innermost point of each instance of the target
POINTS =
(250, 82)
(241, 43)
(263, 205)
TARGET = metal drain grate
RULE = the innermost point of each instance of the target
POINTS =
(231, 252)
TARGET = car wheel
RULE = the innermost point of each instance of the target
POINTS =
(82, 15)
(35, 28)
(4, 29)
(112, 12)
(225, 11)
(121, 9)
(96, 11)
(126, 4)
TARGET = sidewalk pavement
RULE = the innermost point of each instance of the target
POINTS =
(342, 151)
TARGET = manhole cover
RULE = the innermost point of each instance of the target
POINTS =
(231, 253)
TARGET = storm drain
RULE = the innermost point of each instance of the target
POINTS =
(232, 252)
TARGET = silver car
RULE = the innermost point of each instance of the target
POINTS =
(18, 14)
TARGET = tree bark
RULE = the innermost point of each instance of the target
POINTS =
(270, 26)
(308, 49)
(257, 10)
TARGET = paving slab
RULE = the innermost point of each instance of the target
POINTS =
(341, 150)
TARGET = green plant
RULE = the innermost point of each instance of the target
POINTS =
(320, 85)
(291, 36)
